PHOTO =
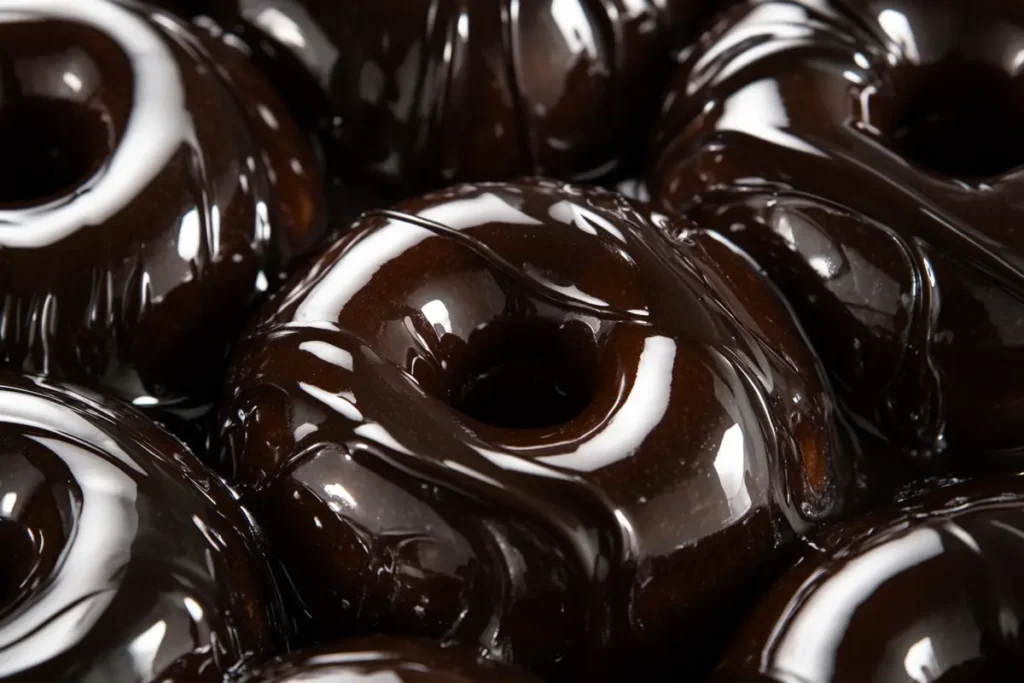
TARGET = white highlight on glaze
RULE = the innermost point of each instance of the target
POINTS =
(189, 235)
(7, 503)
(329, 353)
(156, 128)
(731, 466)
(290, 23)
(806, 647)
(920, 663)
(145, 648)
(437, 315)
(341, 493)
(635, 419)
(357, 266)
(371, 431)
(896, 26)
(583, 219)
(194, 609)
(570, 291)
(339, 404)
(759, 107)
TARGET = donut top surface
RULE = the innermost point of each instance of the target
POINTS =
(123, 558)
(423, 93)
(384, 658)
(868, 155)
(928, 591)
(153, 186)
(543, 409)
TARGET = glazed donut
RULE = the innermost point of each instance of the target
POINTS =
(515, 416)
(124, 559)
(867, 154)
(421, 93)
(397, 660)
(929, 591)
(153, 186)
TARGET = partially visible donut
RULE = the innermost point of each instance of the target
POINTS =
(422, 93)
(929, 591)
(123, 558)
(384, 658)
(868, 154)
(518, 417)
(153, 186)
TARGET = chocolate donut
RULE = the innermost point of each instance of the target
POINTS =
(867, 154)
(929, 591)
(425, 92)
(153, 186)
(396, 660)
(123, 558)
(516, 416)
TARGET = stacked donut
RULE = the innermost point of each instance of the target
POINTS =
(411, 340)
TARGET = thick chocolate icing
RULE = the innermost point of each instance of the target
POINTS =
(520, 418)
(929, 591)
(425, 92)
(123, 558)
(384, 658)
(867, 154)
(153, 186)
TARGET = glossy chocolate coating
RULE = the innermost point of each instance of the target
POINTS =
(929, 591)
(867, 154)
(520, 418)
(391, 659)
(425, 92)
(153, 187)
(123, 558)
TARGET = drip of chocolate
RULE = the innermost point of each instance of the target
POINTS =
(519, 417)
(867, 154)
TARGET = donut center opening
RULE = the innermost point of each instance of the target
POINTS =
(15, 562)
(963, 120)
(53, 146)
(524, 376)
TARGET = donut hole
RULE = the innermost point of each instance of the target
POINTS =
(53, 147)
(963, 120)
(16, 562)
(524, 375)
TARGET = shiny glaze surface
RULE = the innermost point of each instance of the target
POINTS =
(867, 154)
(520, 418)
(123, 558)
(384, 658)
(154, 187)
(425, 92)
(927, 592)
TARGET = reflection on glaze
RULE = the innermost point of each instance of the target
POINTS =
(123, 559)
(384, 660)
(519, 418)
(868, 155)
(154, 186)
(425, 92)
(926, 592)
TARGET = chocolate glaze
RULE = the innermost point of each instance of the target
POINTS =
(867, 154)
(424, 92)
(154, 186)
(519, 418)
(929, 591)
(397, 660)
(123, 558)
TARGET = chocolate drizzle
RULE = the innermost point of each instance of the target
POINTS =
(124, 559)
(570, 546)
(795, 128)
(188, 193)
